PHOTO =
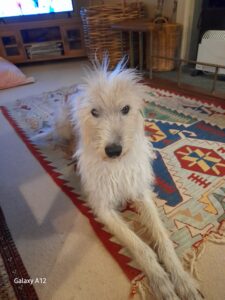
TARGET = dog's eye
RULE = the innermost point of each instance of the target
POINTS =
(125, 110)
(95, 113)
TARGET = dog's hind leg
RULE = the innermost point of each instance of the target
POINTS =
(146, 258)
(184, 284)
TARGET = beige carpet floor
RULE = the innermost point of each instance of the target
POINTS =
(54, 240)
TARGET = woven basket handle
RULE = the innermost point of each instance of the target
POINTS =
(138, 3)
(124, 2)
(160, 20)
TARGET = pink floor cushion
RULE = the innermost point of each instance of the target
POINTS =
(11, 76)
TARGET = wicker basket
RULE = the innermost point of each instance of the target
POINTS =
(98, 35)
(166, 42)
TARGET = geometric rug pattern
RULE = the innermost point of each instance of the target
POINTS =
(190, 165)
(189, 139)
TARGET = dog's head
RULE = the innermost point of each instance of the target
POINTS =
(108, 110)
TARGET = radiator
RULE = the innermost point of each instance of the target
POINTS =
(212, 50)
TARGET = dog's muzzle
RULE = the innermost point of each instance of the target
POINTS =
(113, 150)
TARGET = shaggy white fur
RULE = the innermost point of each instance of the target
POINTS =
(114, 161)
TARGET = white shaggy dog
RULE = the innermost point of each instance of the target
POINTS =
(114, 161)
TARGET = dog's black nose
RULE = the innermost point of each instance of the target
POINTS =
(113, 150)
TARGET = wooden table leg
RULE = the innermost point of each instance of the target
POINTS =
(214, 81)
(131, 44)
(179, 71)
(122, 42)
(150, 40)
(141, 53)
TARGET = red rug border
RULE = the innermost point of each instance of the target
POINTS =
(112, 247)
(187, 94)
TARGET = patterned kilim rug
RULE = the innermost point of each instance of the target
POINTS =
(12, 269)
(189, 138)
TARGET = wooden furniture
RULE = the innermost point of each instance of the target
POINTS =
(141, 26)
(35, 41)
(161, 39)
(97, 21)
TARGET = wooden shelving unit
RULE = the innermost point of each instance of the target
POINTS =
(17, 40)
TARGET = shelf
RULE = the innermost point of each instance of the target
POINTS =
(13, 51)
(10, 46)
(8, 40)
(74, 40)
(80, 53)
(46, 57)
(41, 34)
(36, 43)
(74, 45)
(17, 39)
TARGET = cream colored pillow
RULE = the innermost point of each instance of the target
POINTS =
(11, 76)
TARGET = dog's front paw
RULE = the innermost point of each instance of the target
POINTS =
(187, 288)
(162, 287)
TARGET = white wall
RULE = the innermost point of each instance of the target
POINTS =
(185, 13)
(195, 30)
(152, 4)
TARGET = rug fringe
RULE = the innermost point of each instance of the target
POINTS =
(217, 238)
(190, 259)
(140, 284)
(140, 287)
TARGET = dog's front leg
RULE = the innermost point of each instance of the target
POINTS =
(184, 284)
(145, 257)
